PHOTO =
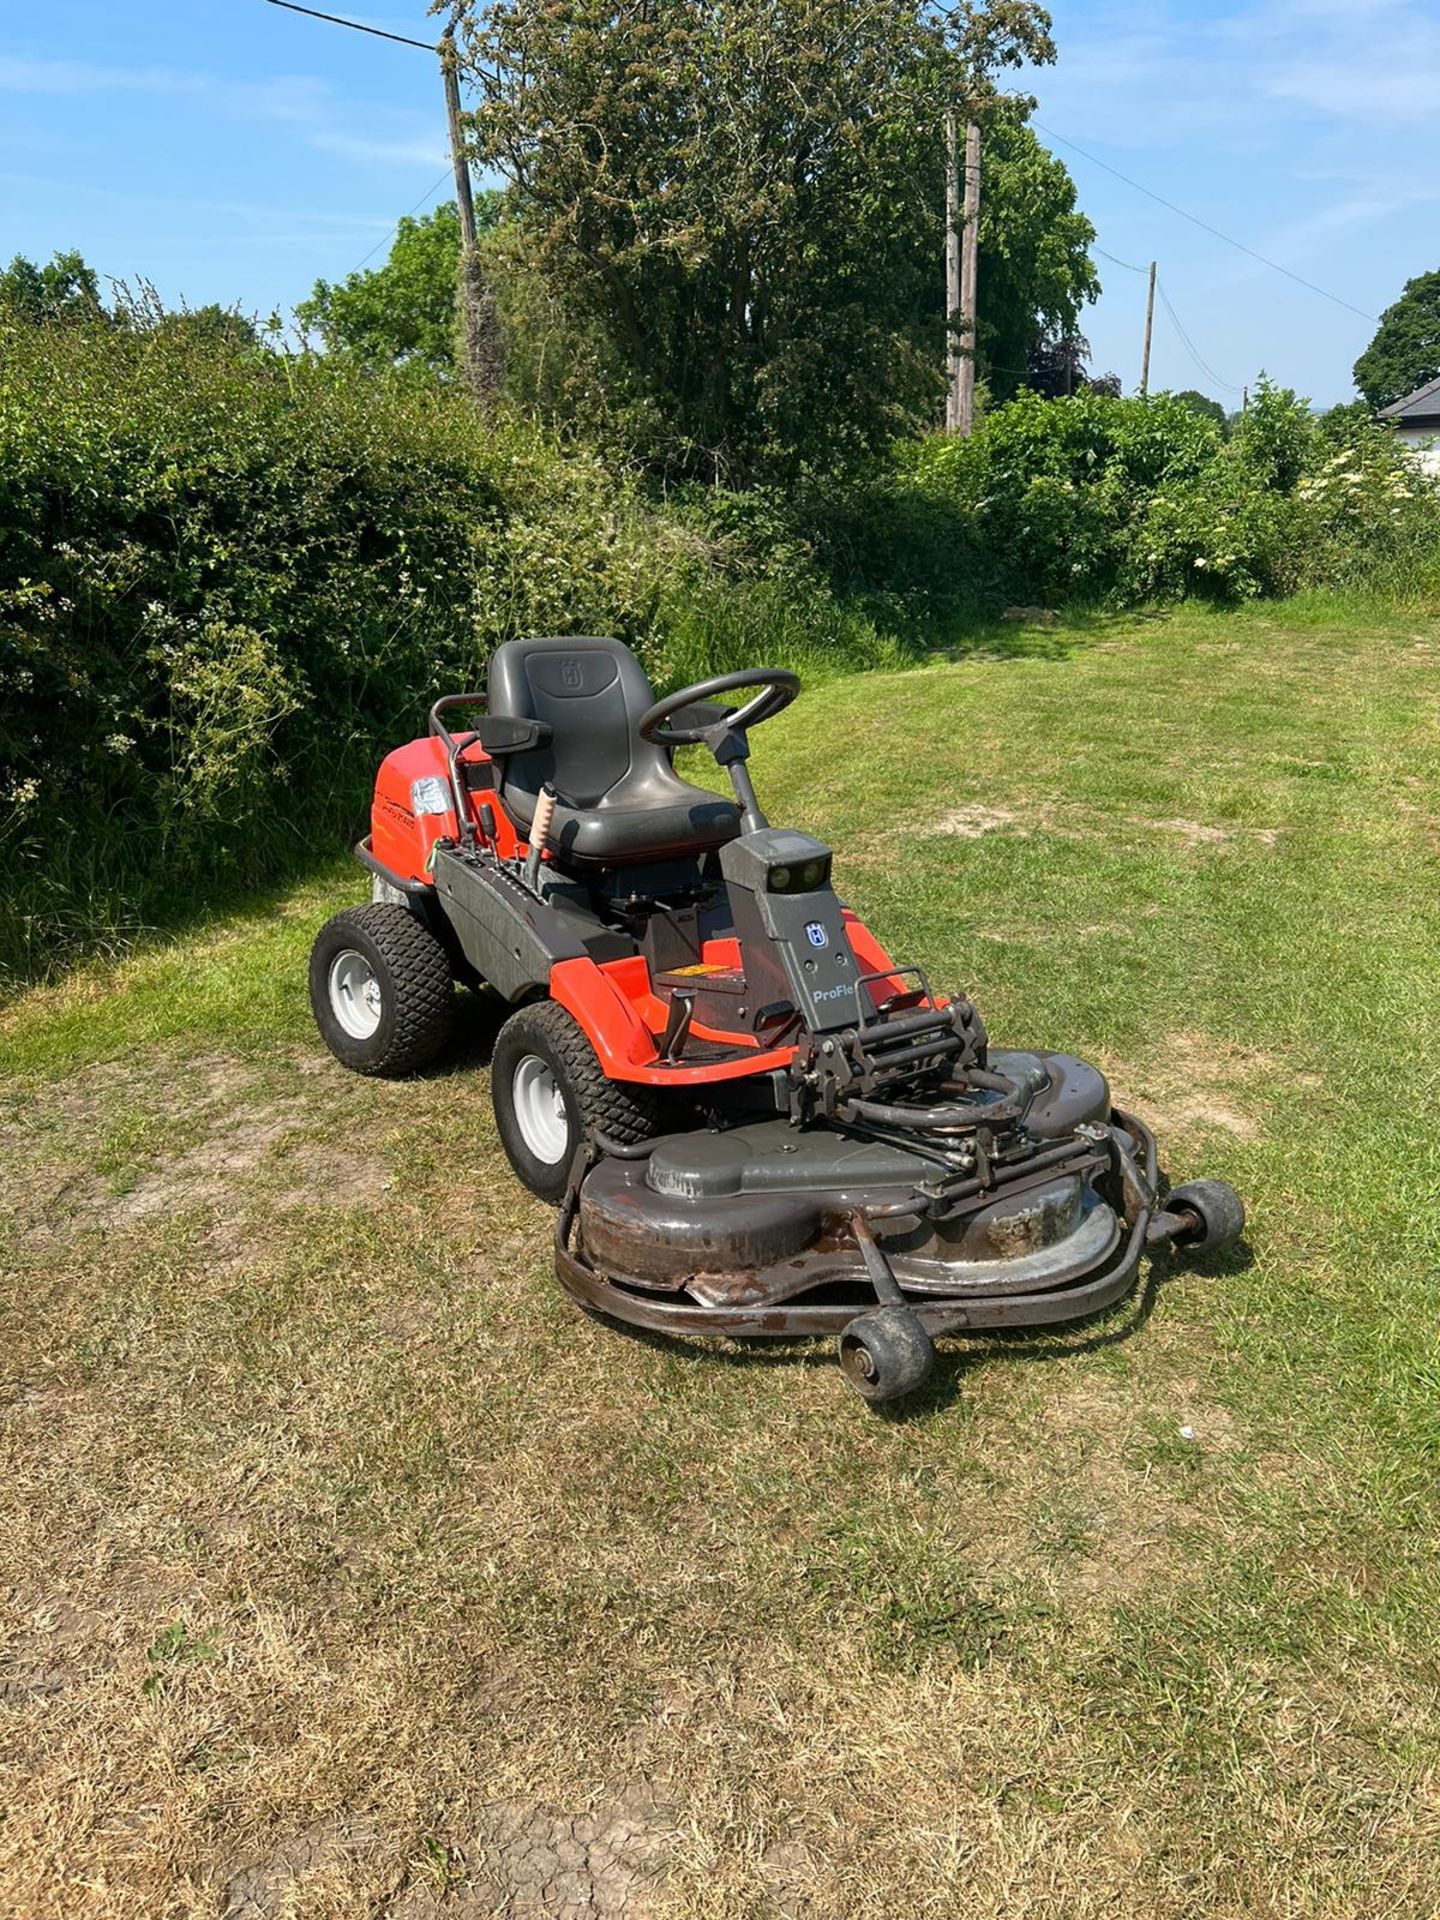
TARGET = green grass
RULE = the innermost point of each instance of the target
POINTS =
(348, 1570)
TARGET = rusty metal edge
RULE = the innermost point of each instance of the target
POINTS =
(954, 1314)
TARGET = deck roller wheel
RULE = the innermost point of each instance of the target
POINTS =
(886, 1354)
(1217, 1211)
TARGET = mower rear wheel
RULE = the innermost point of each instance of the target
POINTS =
(886, 1354)
(549, 1090)
(1217, 1210)
(381, 990)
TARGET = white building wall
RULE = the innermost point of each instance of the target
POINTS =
(1424, 443)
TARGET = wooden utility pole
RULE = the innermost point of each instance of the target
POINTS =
(954, 353)
(962, 229)
(1149, 328)
(969, 275)
(479, 327)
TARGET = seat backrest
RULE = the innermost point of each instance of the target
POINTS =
(592, 693)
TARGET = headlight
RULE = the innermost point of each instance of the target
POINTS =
(802, 879)
(430, 795)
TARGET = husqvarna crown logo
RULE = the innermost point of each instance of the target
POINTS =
(815, 933)
(572, 676)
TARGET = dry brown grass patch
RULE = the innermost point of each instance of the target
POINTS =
(151, 1137)
(1076, 1513)
(1201, 1084)
(969, 823)
(1200, 833)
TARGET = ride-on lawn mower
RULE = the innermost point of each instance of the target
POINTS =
(754, 1121)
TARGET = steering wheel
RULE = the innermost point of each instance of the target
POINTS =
(778, 687)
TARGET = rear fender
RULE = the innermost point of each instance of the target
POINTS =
(511, 939)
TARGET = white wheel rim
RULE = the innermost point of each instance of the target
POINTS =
(355, 994)
(540, 1110)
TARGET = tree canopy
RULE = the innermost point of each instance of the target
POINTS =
(64, 289)
(1059, 366)
(1035, 276)
(402, 312)
(1405, 352)
(68, 289)
(1202, 404)
(220, 326)
(1035, 270)
(742, 205)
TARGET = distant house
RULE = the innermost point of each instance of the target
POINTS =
(1416, 420)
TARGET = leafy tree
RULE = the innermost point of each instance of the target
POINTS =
(1340, 425)
(1057, 367)
(1035, 270)
(403, 312)
(1202, 404)
(69, 290)
(65, 289)
(1274, 439)
(1405, 352)
(1035, 273)
(742, 204)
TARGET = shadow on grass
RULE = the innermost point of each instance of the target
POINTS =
(1042, 634)
(1053, 1345)
(480, 1014)
(744, 1351)
(112, 930)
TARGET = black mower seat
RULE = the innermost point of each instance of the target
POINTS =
(618, 797)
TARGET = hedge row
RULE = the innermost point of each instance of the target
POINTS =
(1116, 503)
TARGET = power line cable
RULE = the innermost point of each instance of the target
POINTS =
(1190, 347)
(1196, 221)
(338, 20)
(390, 234)
(1197, 358)
(1118, 262)
(380, 33)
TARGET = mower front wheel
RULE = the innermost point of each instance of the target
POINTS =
(549, 1090)
(886, 1354)
(381, 990)
(1217, 1211)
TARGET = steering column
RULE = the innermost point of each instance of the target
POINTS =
(723, 729)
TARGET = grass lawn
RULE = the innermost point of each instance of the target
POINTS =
(347, 1570)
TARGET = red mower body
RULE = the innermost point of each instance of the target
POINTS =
(414, 806)
(615, 1002)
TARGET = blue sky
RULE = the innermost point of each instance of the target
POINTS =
(227, 150)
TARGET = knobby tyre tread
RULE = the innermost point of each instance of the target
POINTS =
(619, 1109)
(417, 989)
